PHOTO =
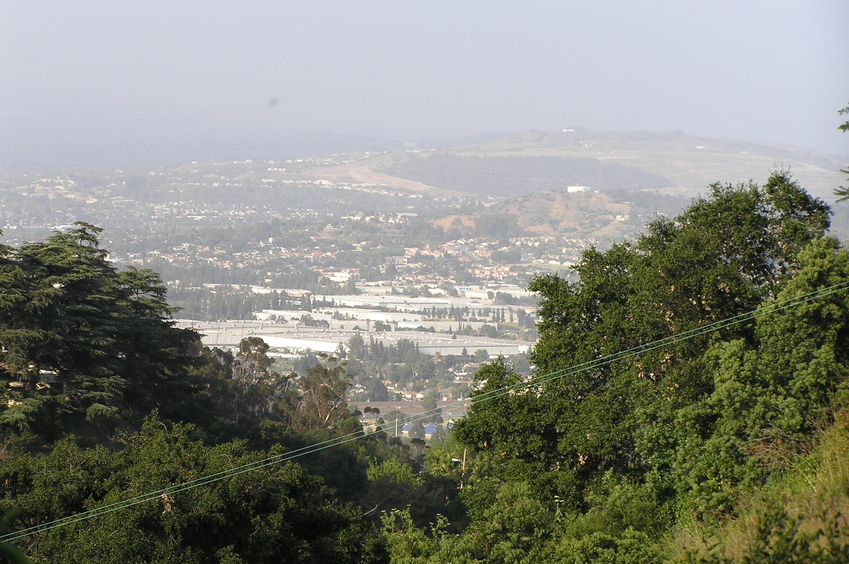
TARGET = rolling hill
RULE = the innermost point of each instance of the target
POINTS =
(510, 165)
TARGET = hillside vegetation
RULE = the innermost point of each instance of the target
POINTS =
(597, 216)
(689, 404)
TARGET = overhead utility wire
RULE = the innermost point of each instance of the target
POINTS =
(660, 343)
(330, 443)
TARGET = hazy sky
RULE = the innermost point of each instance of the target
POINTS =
(95, 72)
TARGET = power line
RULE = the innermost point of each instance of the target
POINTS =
(660, 343)
(493, 394)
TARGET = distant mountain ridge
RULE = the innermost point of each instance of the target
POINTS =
(513, 165)
(507, 165)
(689, 162)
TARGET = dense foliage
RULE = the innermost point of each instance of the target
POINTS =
(689, 403)
(272, 514)
(620, 450)
(105, 399)
(86, 345)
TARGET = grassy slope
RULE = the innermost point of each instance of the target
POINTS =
(804, 510)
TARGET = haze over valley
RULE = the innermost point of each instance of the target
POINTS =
(423, 283)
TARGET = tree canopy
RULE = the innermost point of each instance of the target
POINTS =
(688, 382)
(84, 341)
(642, 411)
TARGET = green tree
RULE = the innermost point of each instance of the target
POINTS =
(8, 551)
(408, 543)
(318, 402)
(90, 343)
(271, 514)
(254, 363)
(356, 347)
(774, 391)
(432, 413)
(391, 485)
(718, 259)
(417, 430)
(595, 461)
